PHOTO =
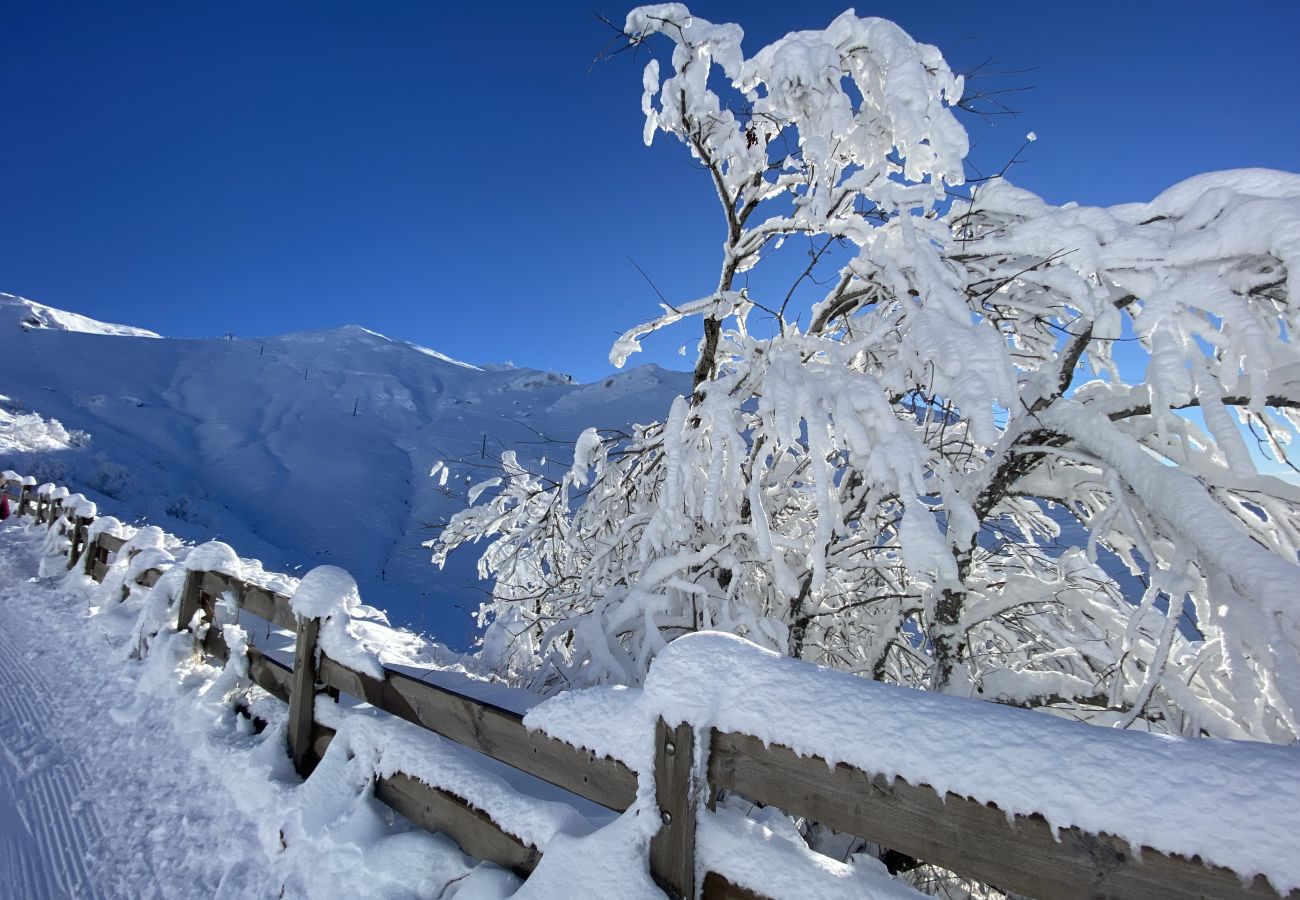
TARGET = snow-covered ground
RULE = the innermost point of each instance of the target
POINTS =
(122, 779)
(299, 450)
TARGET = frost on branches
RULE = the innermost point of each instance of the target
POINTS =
(919, 475)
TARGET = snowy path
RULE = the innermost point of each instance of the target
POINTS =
(119, 780)
(87, 801)
(49, 834)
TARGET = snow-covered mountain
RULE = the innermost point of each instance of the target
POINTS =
(300, 449)
(28, 314)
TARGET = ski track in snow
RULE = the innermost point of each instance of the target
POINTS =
(50, 832)
(78, 791)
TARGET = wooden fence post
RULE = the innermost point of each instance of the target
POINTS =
(189, 599)
(24, 499)
(672, 849)
(91, 556)
(302, 696)
(80, 531)
(72, 540)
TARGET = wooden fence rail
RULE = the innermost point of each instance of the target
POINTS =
(970, 838)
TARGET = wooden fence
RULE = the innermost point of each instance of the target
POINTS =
(1019, 854)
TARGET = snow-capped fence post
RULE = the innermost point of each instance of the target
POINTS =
(89, 557)
(103, 541)
(25, 498)
(672, 849)
(302, 694)
(322, 606)
(212, 557)
(80, 535)
(189, 604)
(42, 501)
(94, 553)
(74, 538)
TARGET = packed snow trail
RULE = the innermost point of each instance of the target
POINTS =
(118, 779)
(89, 802)
(48, 836)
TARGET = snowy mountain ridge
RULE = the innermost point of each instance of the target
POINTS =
(28, 314)
(299, 449)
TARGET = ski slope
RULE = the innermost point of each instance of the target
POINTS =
(300, 449)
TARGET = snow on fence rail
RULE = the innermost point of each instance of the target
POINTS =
(915, 773)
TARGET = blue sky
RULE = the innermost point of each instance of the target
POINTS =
(465, 178)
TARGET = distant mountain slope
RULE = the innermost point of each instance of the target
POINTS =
(301, 449)
(29, 314)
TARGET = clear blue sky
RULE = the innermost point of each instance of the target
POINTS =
(461, 176)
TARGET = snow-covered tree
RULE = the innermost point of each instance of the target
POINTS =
(1002, 455)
